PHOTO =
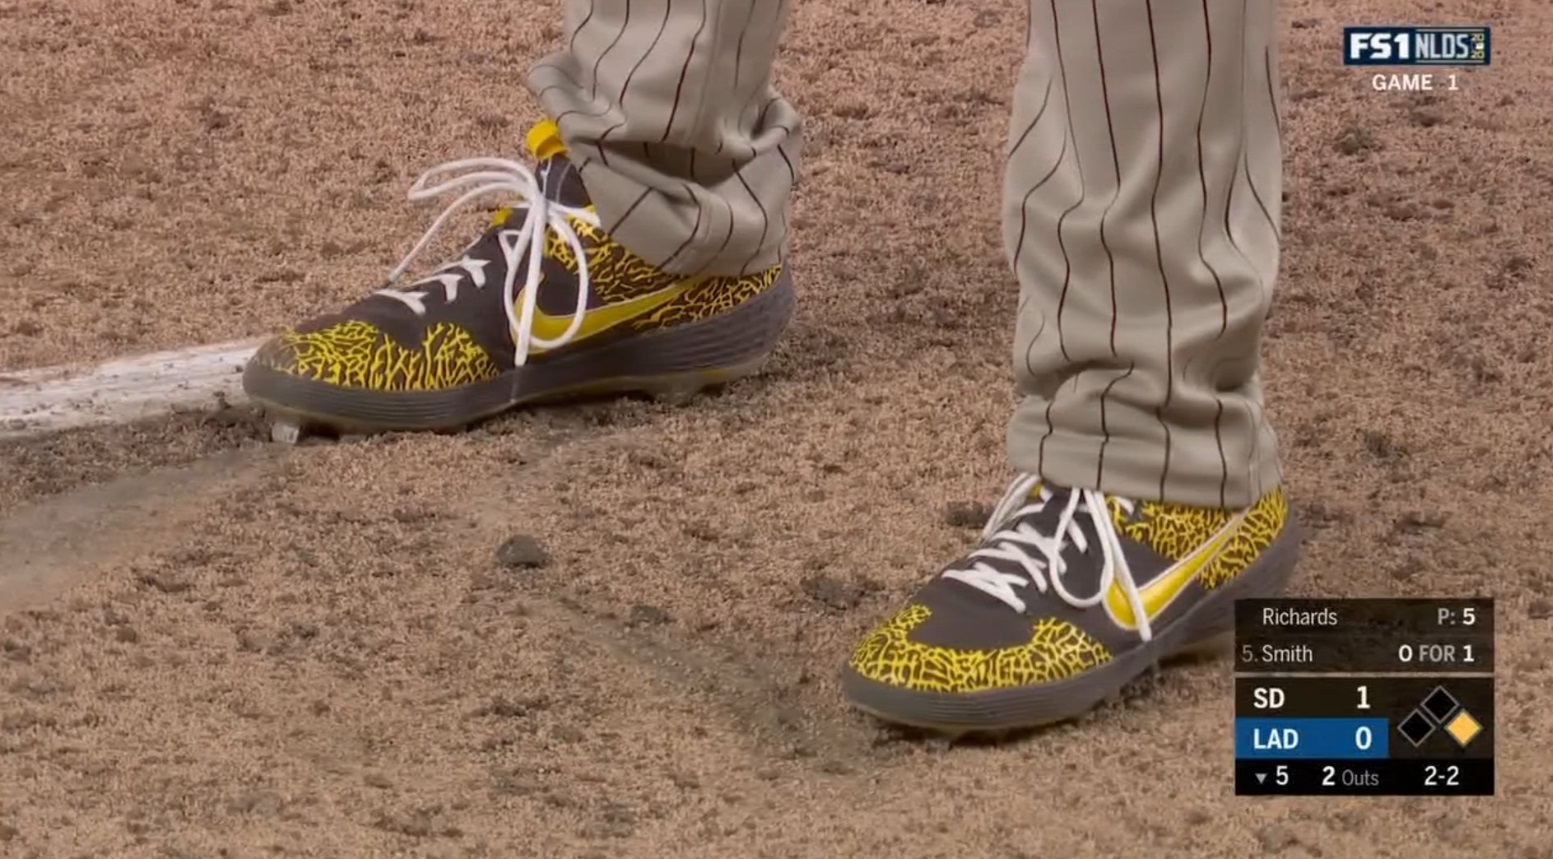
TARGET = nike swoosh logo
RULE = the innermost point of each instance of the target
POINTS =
(601, 319)
(1158, 594)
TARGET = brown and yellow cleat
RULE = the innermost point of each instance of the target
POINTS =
(544, 305)
(1071, 595)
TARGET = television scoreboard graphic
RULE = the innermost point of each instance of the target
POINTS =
(1384, 697)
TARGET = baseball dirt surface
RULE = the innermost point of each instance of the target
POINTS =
(612, 630)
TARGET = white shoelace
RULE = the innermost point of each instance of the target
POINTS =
(489, 176)
(1039, 555)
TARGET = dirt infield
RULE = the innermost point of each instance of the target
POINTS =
(216, 647)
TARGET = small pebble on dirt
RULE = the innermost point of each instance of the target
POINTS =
(648, 615)
(522, 552)
(966, 514)
(1539, 609)
(254, 642)
(1417, 522)
(1276, 839)
(263, 803)
(230, 416)
(508, 708)
(835, 593)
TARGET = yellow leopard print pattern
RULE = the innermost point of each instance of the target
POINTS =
(708, 298)
(1262, 525)
(614, 273)
(1056, 650)
(1174, 531)
(357, 355)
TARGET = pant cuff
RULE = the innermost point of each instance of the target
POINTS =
(1132, 469)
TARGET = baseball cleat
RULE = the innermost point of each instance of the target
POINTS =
(544, 305)
(1070, 596)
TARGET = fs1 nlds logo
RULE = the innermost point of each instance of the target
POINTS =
(1416, 46)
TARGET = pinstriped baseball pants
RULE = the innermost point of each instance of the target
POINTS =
(1141, 210)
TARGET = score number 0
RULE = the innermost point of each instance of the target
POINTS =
(1433, 776)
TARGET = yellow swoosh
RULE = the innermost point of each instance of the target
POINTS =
(1158, 594)
(603, 318)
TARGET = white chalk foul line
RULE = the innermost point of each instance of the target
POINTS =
(50, 399)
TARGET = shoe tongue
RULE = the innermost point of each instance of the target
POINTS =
(558, 177)
(562, 183)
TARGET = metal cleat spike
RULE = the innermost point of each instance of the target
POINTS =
(285, 432)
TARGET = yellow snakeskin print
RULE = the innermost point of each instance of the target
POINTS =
(614, 272)
(617, 274)
(1262, 525)
(1056, 650)
(708, 298)
(1174, 531)
(1170, 530)
(357, 355)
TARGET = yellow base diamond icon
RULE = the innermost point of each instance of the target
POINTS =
(1464, 728)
